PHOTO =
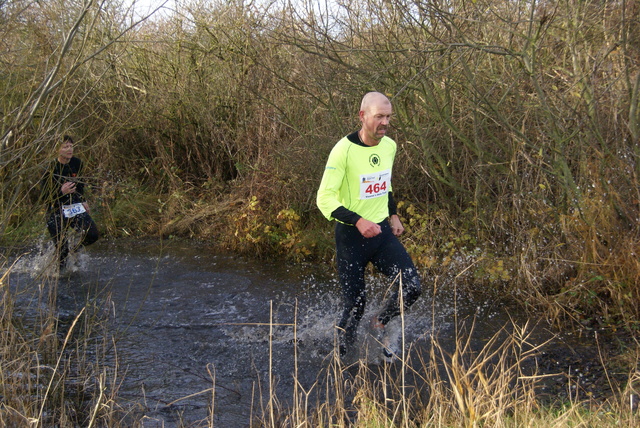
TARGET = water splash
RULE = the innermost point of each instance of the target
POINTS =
(42, 259)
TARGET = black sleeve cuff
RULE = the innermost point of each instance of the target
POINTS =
(346, 216)
(393, 208)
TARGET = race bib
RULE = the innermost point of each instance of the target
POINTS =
(72, 210)
(375, 185)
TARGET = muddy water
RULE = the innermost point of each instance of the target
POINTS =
(189, 320)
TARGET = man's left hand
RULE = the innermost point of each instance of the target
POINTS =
(396, 225)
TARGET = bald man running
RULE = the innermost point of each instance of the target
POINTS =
(356, 192)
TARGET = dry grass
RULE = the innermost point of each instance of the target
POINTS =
(54, 369)
(518, 141)
(468, 386)
(52, 375)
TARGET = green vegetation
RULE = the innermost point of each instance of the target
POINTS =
(518, 125)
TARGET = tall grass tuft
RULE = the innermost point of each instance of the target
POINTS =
(57, 368)
(468, 382)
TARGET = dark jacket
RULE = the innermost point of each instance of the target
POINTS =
(55, 177)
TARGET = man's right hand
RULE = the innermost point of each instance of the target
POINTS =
(68, 187)
(367, 228)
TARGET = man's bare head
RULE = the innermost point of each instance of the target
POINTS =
(375, 113)
(373, 99)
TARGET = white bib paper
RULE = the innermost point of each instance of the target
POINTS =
(375, 185)
(73, 210)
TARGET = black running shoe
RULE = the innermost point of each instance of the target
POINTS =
(387, 355)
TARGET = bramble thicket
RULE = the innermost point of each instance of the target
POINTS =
(517, 124)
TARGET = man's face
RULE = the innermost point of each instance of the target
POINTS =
(375, 120)
(66, 150)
